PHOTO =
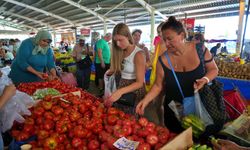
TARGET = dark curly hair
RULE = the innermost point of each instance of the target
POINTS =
(174, 25)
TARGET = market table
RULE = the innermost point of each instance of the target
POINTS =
(242, 85)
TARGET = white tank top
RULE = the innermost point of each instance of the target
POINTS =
(128, 71)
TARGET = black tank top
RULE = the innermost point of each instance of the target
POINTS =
(186, 80)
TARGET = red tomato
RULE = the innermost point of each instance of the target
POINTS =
(150, 129)
(57, 110)
(76, 142)
(15, 133)
(39, 120)
(112, 111)
(127, 130)
(49, 115)
(143, 121)
(136, 127)
(48, 124)
(80, 132)
(127, 122)
(119, 133)
(111, 140)
(104, 146)
(47, 105)
(93, 145)
(142, 132)
(152, 139)
(38, 111)
(50, 143)
(88, 103)
(61, 127)
(163, 138)
(121, 114)
(158, 146)
(82, 108)
(47, 97)
(81, 121)
(61, 138)
(45, 76)
(144, 146)
(74, 116)
(172, 135)
(109, 128)
(64, 104)
(151, 124)
(112, 119)
(98, 128)
(29, 121)
(22, 136)
(103, 136)
(97, 114)
(34, 144)
(28, 128)
(42, 134)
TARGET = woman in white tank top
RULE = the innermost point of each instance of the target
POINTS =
(129, 62)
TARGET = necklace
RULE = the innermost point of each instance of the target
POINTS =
(181, 53)
(175, 65)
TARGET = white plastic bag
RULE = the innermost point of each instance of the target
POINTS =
(4, 79)
(14, 109)
(5, 70)
(201, 111)
(110, 85)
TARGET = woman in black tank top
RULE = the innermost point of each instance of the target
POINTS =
(186, 63)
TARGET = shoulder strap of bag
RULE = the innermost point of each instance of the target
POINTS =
(201, 54)
(176, 79)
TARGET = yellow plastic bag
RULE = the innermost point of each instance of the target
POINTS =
(153, 72)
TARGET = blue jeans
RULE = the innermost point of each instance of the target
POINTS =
(83, 77)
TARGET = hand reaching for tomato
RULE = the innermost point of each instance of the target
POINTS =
(53, 77)
(42, 75)
(111, 99)
(141, 106)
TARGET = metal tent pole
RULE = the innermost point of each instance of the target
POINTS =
(240, 26)
(244, 32)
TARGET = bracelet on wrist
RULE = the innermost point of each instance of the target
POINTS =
(206, 78)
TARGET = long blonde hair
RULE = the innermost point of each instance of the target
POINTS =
(116, 51)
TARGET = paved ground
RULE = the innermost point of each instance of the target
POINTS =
(93, 89)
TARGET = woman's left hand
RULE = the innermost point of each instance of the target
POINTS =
(199, 84)
(114, 97)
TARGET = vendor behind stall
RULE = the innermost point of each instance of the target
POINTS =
(33, 57)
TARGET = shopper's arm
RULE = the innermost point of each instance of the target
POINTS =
(154, 91)
(99, 53)
(8, 92)
(212, 71)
